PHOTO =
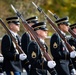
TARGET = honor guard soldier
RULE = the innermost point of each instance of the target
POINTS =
(39, 64)
(72, 42)
(58, 49)
(12, 57)
(25, 39)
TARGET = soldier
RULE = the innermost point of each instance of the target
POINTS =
(58, 48)
(25, 39)
(72, 42)
(39, 64)
(12, 58)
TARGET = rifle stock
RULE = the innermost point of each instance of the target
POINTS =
(52, 24)
(13, 38)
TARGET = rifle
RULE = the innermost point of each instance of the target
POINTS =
(54, 15)
(35, 37)
(70, 30)
(52, 24)
(14, 39)
(72, 33)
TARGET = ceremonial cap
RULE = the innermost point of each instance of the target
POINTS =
(40, 26)
(62, 21)
(32, 19)
(73, 26)
(14, 20)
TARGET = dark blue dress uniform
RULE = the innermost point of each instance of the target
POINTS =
(11, 61)
(35, 55)
(60, 54)
(72, 42)
(25, 39)
(24, 44)
(37, 61)
(59, 51)
(32, 70)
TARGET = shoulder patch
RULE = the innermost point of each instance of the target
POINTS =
(33, 55)
(55, 45)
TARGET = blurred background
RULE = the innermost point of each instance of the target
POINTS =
(61, 8)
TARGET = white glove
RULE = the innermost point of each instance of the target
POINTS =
(22, 56)
(73, 54)
(51, 64)
(1, 58)
(73, 72)
(1, 73)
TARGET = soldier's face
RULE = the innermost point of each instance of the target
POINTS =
(64, 28)
(15, 27)
(42, 34)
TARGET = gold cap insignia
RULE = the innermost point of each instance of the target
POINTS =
(55, 45)
(73, 47)
(33, 54)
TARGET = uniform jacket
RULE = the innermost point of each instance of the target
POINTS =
(25, 39)
(60, 55)
(38, 67)
(37, 60)
(72, 42)
(11, 55)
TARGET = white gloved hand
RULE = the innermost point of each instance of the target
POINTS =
(73, 72)
(22, 56)
(1, 58)
(73, 54)
(51, 64)
(1, 73)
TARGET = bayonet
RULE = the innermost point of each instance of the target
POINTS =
(54, 15)
(18, 14)
(14, 8)
(50, 12)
